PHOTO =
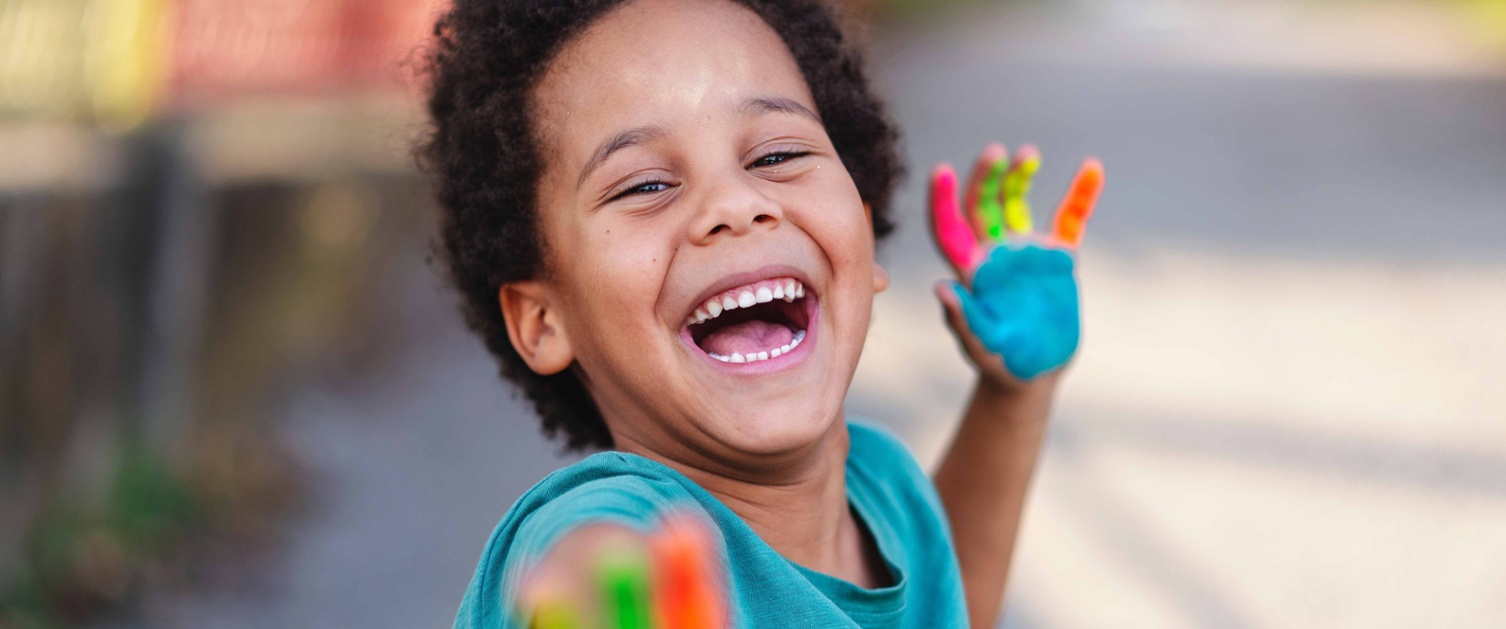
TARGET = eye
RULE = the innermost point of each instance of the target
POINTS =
(777, 158)
(647, 187)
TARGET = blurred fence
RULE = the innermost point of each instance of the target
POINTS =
(190, 193)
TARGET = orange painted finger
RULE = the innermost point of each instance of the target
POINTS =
(688, 593)
(1073, 214)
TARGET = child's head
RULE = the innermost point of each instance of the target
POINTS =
(608, 170)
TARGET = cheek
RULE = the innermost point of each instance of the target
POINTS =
(840, 226)
(625, 270)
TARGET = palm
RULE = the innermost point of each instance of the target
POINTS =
(1018, 291)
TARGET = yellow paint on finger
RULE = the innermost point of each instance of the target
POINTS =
(1016, 189)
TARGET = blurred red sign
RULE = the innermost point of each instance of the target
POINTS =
(226, 48)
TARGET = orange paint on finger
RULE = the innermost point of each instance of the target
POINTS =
(687, 595)
(1072, 217)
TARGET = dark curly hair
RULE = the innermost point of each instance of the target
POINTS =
(483, 156)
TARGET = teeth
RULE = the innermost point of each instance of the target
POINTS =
(799, 336)
(761, 356)
(763, 292)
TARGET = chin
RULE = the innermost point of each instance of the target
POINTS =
(781, 428)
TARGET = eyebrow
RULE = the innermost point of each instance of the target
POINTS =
(647, 133)
(777, 104)
(631, 137)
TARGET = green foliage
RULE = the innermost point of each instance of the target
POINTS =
(75, 558)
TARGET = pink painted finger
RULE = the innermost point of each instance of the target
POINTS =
(1073, 214)
(953, 233)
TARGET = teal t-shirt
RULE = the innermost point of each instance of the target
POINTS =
(885, 487)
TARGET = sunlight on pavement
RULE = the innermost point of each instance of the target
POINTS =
(1248, 440)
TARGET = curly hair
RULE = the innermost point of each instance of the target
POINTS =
(482, 148)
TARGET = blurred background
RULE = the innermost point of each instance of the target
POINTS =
(235, 391)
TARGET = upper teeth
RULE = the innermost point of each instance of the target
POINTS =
(788, 289)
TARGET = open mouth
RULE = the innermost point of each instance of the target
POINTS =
(752, 323)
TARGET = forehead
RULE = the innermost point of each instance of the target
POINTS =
(663, 61)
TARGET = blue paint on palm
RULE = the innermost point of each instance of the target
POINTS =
(1024, 308)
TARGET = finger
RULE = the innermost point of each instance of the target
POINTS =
(687, 593)
(982, 335)
(623, 576)
(1017, 188)
(1073, 214)
(554, 613)
(953, 233)
(983, 191)
(950, 293)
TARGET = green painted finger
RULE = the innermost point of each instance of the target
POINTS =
(1016, 192)
(624, 580)
(990, 211)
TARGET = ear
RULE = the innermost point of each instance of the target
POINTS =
(534, 326)
(880, 275)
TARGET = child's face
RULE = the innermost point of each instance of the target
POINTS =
(684, 161)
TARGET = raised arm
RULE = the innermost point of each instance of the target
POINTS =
(1014, 311)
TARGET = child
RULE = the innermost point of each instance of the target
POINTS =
(662, 216)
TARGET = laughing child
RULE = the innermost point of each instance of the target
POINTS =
(662, 217)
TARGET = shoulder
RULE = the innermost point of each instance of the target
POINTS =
(874, 449)
(870, 435)
(885, 479)
(605, 488)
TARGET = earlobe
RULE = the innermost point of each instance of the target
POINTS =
(880, 274)
(534, 326)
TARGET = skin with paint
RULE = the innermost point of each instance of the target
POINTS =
(666, 580)
(1013, 308)
(1017, 290)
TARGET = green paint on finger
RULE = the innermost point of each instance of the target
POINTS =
(990, 210)
(624, 579)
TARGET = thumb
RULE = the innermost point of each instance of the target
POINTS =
(960, 307)
(951, 306)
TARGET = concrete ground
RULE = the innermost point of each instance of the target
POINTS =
(1287, 411)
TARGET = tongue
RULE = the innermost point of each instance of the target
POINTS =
(748, 337)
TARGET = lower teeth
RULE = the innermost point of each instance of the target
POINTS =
(753, 358)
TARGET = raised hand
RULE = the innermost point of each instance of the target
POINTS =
(1015, 309)
(612, 578)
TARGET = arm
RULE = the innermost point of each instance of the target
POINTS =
(1015, 313)
(983, 481)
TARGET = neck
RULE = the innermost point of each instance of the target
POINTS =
(801, 511)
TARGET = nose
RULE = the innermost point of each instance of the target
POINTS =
(733, 207)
